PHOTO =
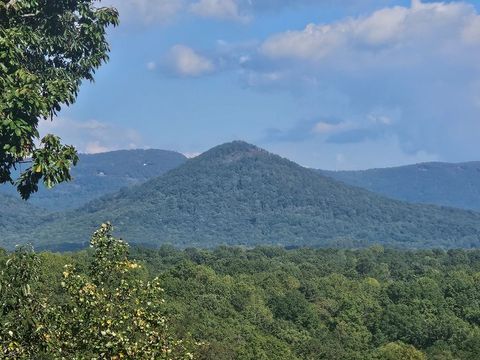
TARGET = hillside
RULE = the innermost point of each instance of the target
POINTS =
(100, 174)
(16, 217)
(238, 194)
(456, 185)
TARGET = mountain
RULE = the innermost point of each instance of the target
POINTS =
(456, 185)
(16, 217)
(239, 194)
(100, 174)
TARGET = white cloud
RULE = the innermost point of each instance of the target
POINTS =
(411, 73)
(184, 61)
(392, 30)
(165, 11)
(92, 136)
(219, 9)
(314, 43)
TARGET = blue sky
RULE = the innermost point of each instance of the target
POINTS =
(329, 84)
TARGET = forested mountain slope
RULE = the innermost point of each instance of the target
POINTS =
(16, 217)
(239, 194)
(456, 185)
(100, 174)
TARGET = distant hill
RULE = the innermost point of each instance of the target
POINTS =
(18, 216)
(239, 194)
(100, 174)
(456, 185)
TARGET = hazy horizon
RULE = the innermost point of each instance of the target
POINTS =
(356, 85)
(193, 155)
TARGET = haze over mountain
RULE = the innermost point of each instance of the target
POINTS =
(239, 194)
(98, 174)
(456, 185)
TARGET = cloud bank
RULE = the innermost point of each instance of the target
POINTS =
(400, 81)
(411, 73)
(165, 11)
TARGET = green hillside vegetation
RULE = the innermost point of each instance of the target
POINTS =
(99, 174)
(456, 185)
(17, 215)
(265, 303)
(55, 308)
(268, 303)
(238, 194)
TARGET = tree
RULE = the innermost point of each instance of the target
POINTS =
(47, 48)
(106, 312)
(399, 351)
(22, 310)
(111, 313)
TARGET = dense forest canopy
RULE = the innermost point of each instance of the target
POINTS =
(270, 260)
(447, 184)
(239, 194)
(234, 303)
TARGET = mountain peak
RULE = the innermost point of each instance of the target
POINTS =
(233, 151)
(237, 146)
(240, 194)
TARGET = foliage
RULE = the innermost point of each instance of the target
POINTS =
(16, 215)
(320, 304)
(22, 313)
(264, 303)
(47, 48)
(261, 303)
(238, 194)
(399, 351)
(104, 312)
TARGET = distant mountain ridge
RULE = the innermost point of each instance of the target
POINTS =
(99, 174)
(444, 184)
(447, 184)
(239, 194)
